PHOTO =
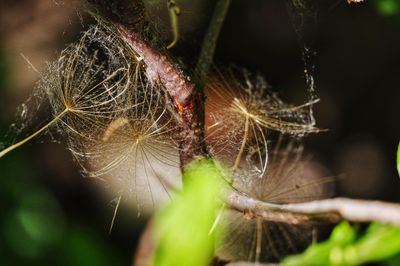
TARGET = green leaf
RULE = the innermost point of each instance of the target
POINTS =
(323, 253)
(379, 243)
(183, 228)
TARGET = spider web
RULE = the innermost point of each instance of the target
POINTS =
(304, 18)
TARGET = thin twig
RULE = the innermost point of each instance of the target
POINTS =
(210, 41)
(328, 210)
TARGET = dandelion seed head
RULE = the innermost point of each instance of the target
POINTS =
(290, 177)
(115, 123)
(241, 112)
(120, 129)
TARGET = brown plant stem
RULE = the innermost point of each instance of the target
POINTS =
(145, 249)
(187, 101)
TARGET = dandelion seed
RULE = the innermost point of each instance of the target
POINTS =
(240, 114)
(290, 177)
(82, 87)
(115, 122)
(136, 154)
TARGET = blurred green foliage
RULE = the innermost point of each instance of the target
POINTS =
(349, 245)
(388, 7)
(183, 228)
(34, 229)
(36, 235)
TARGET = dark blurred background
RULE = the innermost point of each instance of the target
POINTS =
(50, 214)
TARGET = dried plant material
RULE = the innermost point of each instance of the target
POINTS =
(127, 138)
(136, 153)
(240, 113)
(115, 122)
(289, 178)
(82, 87)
